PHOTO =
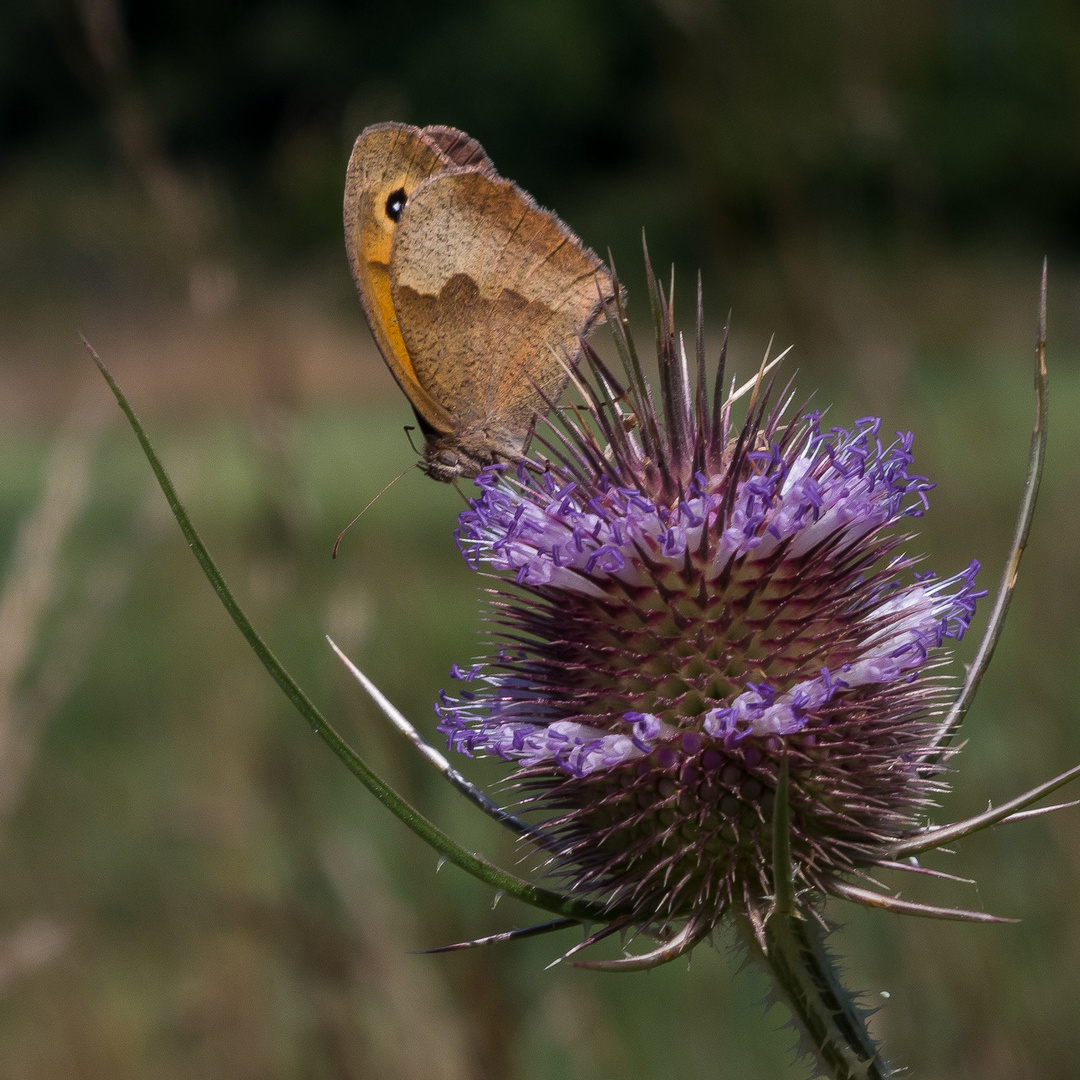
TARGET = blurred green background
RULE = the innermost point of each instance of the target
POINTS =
(190, 885)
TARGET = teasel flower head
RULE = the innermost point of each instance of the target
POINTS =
(696, 618)
(718, 675)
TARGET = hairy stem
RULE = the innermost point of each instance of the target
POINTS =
(805, 976)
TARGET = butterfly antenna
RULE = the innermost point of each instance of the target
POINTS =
(454, 484)
(341, 535)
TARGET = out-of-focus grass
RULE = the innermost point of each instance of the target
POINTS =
(236, 906)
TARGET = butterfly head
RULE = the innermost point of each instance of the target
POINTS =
(466, 454)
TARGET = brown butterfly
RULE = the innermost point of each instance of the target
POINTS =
(476, 296)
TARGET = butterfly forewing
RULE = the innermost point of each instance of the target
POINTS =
(476, 297)
(388, 162)
(492, 294)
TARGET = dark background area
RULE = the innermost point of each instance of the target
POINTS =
(957, 120)
(190, 886)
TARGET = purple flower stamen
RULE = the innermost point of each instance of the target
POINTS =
(684, 611)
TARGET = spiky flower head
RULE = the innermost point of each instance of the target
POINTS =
(690, 607)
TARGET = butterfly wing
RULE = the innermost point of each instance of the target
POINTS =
(460, 149)
(491, 293)
(388, 162)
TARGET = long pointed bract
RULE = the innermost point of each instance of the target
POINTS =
(1036, 457)
(436, 757)
(933, 838)
(473, 864)
(505, 936)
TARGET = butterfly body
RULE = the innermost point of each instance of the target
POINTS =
(477, 298)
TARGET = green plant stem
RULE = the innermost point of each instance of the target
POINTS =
(806, 980)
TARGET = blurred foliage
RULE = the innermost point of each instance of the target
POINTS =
(722, 125)
(190, 886)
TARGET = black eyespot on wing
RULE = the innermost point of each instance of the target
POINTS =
(395, 203)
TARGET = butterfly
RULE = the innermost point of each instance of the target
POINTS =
(477, 298)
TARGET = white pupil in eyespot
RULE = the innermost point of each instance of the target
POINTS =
(395, 203)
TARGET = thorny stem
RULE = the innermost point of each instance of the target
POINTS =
(832, 1025)
(784, 900)
(791, 946)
